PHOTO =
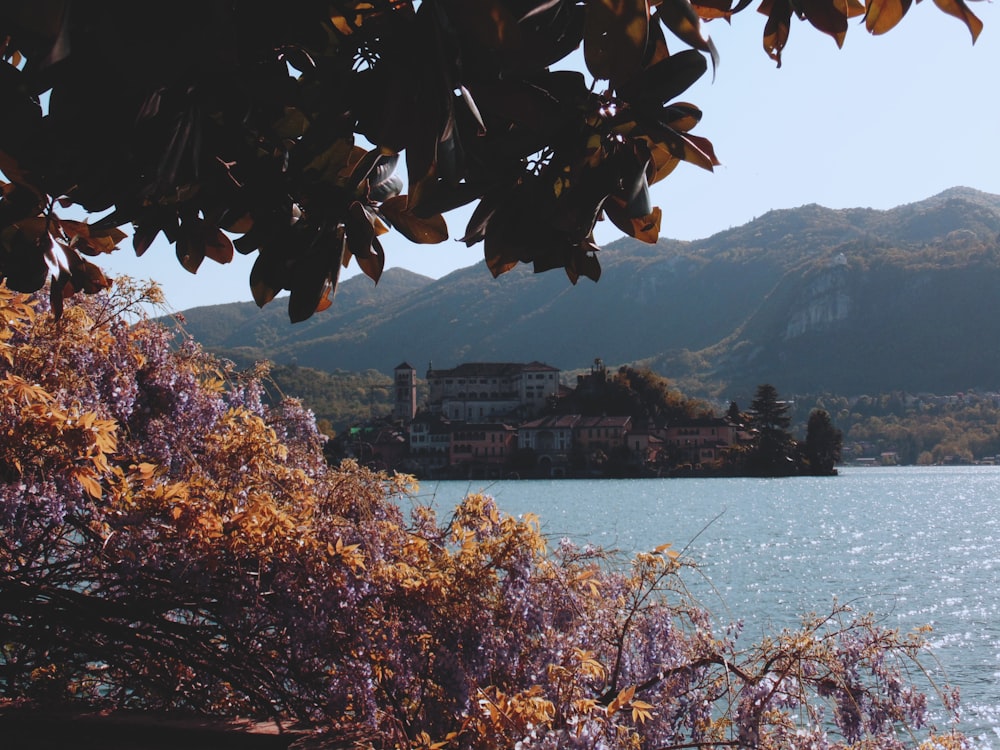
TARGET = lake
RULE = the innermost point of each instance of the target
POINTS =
(915, 545)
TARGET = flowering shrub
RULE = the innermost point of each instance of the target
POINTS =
(169, 543)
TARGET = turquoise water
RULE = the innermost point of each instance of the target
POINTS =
(916, 546)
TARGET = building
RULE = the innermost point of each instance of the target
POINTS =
(430, 443)
(601, 433)
(699, 441)
(491, 391)
(378, 447)
(405, 393)
(551, 440)
(479, 444)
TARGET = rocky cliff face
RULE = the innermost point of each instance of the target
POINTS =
(824, 300)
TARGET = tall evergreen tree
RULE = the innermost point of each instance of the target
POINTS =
(823, 443)
(773, 447)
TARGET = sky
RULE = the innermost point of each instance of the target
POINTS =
(881, 122)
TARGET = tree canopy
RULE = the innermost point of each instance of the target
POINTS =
(277, 129)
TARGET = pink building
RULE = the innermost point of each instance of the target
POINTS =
(700, 440)
(482, 443)
(601, 433)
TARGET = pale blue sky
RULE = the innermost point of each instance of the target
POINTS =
(881, 122)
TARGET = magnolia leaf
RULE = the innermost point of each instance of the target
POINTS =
(656, 45)
(198, 240)
(699, 151)
(325, 301)
(23, 266)
(359, 169)
(960, 10)
(829, 16)
(424, 231)
(239, 223)
(681, 18)
(779, 19)
(373, 263)
(518, 102)
(218, 246)
(680, 116)
(643, 228)
(666, 79)
(267, 277)
(665, 163)
(105, 240)
(85, 275)
(475, 230)
(309, 282)
(17, 203)
(90, 242)
(501, 254)
(709, 9)
(190, 252)
(360, 232)
(329, 288)
(422, 187)
(851, 8)
(615, 33)
(328, 165)
(583, 262)
(470, 102)
(883, 15)
(143, 236)
(383, 182)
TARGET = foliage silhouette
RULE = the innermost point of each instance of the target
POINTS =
(219, 120)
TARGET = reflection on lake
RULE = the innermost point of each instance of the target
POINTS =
(914, 545)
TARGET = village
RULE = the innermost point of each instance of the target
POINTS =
(502, 420)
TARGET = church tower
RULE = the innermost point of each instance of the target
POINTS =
(405, 403)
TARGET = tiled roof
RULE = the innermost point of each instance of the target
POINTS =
(556, 422)
(491, 369)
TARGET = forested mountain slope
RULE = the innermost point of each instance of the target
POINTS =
(850, 300)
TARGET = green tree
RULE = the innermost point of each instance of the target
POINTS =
(219, 119)
(773, 447)
(733, 413)
(823, 443)
(637, 392)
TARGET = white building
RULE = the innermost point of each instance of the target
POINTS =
(484, 391)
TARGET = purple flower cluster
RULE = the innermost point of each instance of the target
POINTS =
(168, 542)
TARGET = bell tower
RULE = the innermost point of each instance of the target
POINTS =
(405, 386)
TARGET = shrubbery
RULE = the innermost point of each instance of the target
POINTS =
(168, 542)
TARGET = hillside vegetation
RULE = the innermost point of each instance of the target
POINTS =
(813, 299)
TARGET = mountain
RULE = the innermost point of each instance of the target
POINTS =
(809, 299)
